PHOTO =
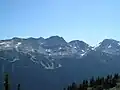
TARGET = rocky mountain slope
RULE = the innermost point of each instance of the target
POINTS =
(51, 49)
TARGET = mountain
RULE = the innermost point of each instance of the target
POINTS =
(51, 48)
(109, 46)
(44, 63)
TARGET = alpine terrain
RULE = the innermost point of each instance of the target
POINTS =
(53, 63)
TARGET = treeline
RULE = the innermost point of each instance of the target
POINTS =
(7, 84)
(98, 83)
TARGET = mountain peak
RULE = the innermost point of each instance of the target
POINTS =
(55, 40)
(109, 46)
(109, 41)
(41, 38)
(77, 41)
(55, 37)
(16, 38)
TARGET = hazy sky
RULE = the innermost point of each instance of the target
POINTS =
(88, 20)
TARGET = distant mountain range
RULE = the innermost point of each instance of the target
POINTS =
(44, 63)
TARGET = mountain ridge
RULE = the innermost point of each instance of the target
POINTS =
(54, 36)
(56, 47)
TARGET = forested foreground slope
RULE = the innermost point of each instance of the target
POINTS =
(110, 82)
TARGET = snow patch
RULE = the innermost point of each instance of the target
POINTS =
(2, 43)
(109, 46)
(32, 50)
(59, 65)
(48, 50)
(47, 67)
(33, 59)
(93, 48)
(83, 51)
(70, 45)
(51, 66)
(75, 47)
(87, 48)
(119, 43)
(7, 45)
(60, 48)
(14, 60)
(49, 54)
(83, 54)
(17, 45)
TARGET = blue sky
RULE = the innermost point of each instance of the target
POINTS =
(88, 20)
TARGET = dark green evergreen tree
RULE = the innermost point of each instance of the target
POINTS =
(18, 87)
(92, 81)
(74, 86)
(80, 87)
(86, 83)
(6, 82)
(102, 81)
(69, 88)
(116, 76)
